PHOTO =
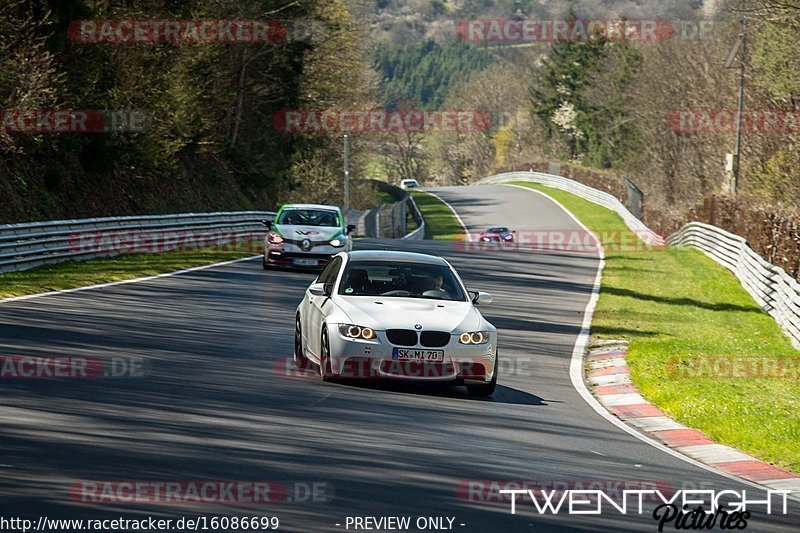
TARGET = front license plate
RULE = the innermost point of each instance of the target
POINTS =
(305, 262)
(404, 354)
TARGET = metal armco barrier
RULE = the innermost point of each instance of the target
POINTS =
(28, 245)
(587, 193)
(772, 288)
(419, 233)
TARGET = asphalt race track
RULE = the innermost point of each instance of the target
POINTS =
(216, 401)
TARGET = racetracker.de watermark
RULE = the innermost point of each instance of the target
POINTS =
(72, 367)
(72, 121)
(177, 31)
(734, 367)
(560, 240)
(217, 491)
(367, 368)
(715, 121)
(158, 241)
(519, 31)
(376, 121)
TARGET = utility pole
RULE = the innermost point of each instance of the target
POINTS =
(346, 174)
(741, 42)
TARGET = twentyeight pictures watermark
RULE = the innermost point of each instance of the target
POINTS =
(676, 509)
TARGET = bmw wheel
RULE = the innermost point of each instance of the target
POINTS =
(300, 360)
(325, 369)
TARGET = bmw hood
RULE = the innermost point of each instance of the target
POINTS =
(292, 233)
(404, 313)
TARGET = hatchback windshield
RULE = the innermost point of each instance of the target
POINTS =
(406, 280)
(309, 217)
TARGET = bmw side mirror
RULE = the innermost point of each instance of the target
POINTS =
(321, 289)
(481, 298)
(350, 228)
(317, 289)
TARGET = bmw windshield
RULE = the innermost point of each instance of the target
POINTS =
(405, 280)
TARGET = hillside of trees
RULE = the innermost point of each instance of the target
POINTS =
(208, 143)
(616, 106)
(427, 72)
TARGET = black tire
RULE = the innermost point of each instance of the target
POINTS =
(300, 360)
(264, 263)
(484, 390)
(325, 369)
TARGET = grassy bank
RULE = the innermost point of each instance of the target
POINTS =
(81, 274)
(677, 307)
(440, 223)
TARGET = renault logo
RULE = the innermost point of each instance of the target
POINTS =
(417, 326)
(305, 244)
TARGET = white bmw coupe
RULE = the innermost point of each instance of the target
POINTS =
(396, 315)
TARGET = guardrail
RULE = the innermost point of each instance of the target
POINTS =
(587, 193)
(419, 233)
(28, 245)
(770, 286)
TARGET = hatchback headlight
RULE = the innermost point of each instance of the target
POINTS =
(474, 337)
(337, 243)
(274, 238)
(357, 332)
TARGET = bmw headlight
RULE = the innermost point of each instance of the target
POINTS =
(337, 243)
(352, 331)
(474, 337)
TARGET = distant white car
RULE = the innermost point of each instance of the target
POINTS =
(396, 315)
(409, 184)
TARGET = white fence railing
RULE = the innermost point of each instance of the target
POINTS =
(587, 193)
(419, 233)
(772, 288)
(28, 245)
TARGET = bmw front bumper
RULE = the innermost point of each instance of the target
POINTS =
(376, 359)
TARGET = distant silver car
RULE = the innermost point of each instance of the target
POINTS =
(396, 315)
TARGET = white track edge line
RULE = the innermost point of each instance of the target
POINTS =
(576, 363)
(458, 217)
(124, 281)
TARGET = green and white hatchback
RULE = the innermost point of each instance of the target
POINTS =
(305, 236)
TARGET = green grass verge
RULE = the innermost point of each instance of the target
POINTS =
(677, 307)
(83, 273)
(440, 222)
